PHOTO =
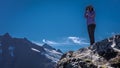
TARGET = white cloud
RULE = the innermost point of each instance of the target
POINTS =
(67, 41)
(71, 40)
(112, 33)
(77, 40)
(38, 43)
(49, 42)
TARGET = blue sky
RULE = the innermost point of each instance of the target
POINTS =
(60, 23)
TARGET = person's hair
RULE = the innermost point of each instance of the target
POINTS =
(90, 7)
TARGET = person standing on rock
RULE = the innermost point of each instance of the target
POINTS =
(90, 16)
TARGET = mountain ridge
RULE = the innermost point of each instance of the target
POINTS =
(22, 53)
(103, 54)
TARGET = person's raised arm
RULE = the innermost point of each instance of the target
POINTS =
(93, 15)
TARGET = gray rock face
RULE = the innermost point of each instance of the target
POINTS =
(103, 54)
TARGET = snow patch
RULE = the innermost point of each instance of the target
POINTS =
(52, 58)
(113, 42)
(35, 49)
(53, 55)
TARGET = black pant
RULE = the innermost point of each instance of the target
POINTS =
(91, 30)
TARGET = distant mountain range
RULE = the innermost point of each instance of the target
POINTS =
(22, 53)
(103, 54)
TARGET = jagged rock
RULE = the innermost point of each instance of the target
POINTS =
(103, 54)
(59, 50)
(48, 47)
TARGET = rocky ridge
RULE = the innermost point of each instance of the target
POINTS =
(103, 54)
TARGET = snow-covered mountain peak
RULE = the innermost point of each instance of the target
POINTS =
(22, 53)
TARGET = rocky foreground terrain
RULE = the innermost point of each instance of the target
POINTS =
(103, 54)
